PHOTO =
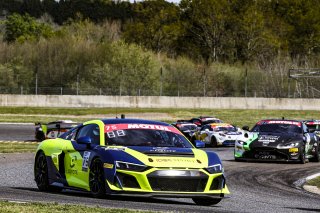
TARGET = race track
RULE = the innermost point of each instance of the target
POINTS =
(255, 187)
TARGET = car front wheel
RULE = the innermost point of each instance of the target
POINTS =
(96, 179)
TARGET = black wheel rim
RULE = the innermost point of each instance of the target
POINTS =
(96, 178)
(41, 171)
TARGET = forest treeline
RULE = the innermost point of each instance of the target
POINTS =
(196, 47)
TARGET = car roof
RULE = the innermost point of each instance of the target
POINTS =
(131, 120)
(219, 124)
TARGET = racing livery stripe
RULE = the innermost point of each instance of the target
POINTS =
(112, 127)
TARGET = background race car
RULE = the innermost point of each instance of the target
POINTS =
(130, 156)
(53, 129)
(219, 134)
(313, 126)
(187, 128)
(279, 140)
(202, 120)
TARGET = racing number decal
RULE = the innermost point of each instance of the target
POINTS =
(118, 133)
(85, 161)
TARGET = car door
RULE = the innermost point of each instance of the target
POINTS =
(205, 133)
(77, 158)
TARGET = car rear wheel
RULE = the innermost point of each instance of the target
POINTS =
(213, 142)
(96, 179)
(41, 174)
(206, 201)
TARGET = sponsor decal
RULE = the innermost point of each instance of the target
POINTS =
(284, 122)
(115, 148)
(162, 149)
(117, 127)
(266, 139)
(293, 150)
(85, 161)
(175, 160)
(73, 161)
(72, 171)
(108, 166)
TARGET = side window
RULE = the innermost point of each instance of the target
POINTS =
(91, 130)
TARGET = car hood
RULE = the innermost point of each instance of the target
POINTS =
(275, 139)
(165, 157)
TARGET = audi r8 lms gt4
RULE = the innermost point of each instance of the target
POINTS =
(218, 134)
(279, 140)
(130, 156)
(53, 129)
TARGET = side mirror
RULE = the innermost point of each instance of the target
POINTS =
(199, 144)
(84, 140)
(246, 128)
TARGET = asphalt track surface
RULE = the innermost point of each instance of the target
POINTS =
(255, 187)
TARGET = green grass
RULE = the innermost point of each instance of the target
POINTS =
(314, 182)
(9, 207)
(237, 117)
(17, 147)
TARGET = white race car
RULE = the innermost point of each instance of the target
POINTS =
(219, 134)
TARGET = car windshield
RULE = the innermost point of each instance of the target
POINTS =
(278, 128)
(225, 129)
(188, 127)
(211, 121)
(147, 137)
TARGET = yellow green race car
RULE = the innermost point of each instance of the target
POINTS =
(130, 156)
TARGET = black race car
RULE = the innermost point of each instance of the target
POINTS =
(279, 140)
(186, 127)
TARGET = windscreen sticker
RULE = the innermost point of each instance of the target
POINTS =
(281, 122)
(116, 127)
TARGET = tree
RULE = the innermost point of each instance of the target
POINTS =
(25, 27)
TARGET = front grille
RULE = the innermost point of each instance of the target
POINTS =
(267, 154)
(178, 184)
(217, 183)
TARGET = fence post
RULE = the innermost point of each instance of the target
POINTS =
(61, 91)
(21, 89)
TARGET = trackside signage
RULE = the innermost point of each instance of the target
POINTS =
(112, 127)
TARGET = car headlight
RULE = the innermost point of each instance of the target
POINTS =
(217, 168)
(222, 134)
(288, 145)
(130, 166)
(241, 142)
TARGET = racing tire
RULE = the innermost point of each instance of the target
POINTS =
(97, 182)
(302, 156)
(213, 142)
(41, 174)
(206, 201)
(40, 136)
(317, 154)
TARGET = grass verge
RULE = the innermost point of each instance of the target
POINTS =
(13, 207)
(237, 117)
(314, 182)
(17, 147)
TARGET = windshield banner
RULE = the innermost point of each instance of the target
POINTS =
(113, 127)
